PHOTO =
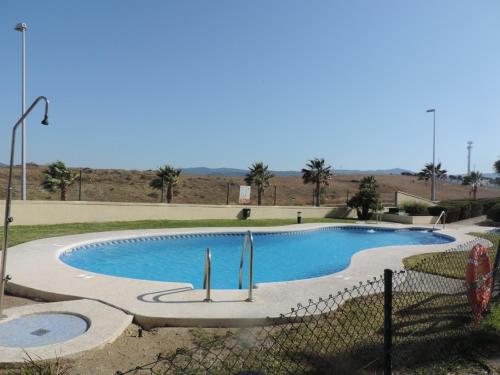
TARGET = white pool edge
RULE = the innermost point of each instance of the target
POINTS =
(37, 272)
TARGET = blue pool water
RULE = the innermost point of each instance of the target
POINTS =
(277, 256)
(41, 329)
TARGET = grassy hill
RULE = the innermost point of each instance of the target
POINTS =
(133, 186)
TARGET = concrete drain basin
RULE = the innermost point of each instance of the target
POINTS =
(41, 329)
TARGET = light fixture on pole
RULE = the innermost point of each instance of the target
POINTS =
(22, 27)
(433, 188)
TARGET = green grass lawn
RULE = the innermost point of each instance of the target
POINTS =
(24, 233)
(450, 264)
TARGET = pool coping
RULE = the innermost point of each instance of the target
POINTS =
(105, 325)
(37, 272)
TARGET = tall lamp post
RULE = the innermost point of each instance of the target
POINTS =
(433, 188)
(22, 27)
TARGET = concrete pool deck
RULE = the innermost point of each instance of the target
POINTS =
(37, 272)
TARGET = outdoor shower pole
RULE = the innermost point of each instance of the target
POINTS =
(8, 219)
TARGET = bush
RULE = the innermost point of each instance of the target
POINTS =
(415, 208)
(488, 203)
(494, 213)
(452, 212)
(476, 209)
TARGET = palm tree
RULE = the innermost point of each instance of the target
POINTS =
(259, 175)
(317, 173)
(58, 177)
(496, 166)
(474, 179)
(426, 172)
(166, 176)
(367, 198)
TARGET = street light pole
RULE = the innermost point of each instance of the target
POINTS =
(22, 27)
(433, 188)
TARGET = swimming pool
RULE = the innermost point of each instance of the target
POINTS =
(278, 256)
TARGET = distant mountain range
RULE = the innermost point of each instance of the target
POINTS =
(235, 172)
(242, 172)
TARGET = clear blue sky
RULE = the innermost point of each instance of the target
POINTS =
(135, 84)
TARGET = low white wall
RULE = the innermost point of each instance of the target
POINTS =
(403, 219)
(56, 212)
(401, 198)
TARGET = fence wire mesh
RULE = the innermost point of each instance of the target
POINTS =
(344, 332)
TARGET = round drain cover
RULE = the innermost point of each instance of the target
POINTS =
(41, 329)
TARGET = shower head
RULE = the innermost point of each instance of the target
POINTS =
(45, 120)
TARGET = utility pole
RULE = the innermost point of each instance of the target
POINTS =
(469, 149)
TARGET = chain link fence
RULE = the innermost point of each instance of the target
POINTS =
(394, 323)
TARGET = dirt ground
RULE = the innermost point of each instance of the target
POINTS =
(131, 349)
(113, 185)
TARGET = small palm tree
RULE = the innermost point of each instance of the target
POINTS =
(166, 176)
(317, 173)
(474, 180)
(496, 166)
(426, 172)
(259, 175)
(58, 177)
(367, 198)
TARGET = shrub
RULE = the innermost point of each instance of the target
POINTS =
(494, 213)
(415, 208)
(488, 203)
(476, 209)
(452, 212)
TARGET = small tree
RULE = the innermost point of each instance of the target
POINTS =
(474, 180)
(58, 177)
(496, 166)
(426, 172)
(168, 177)
(317, 173)
(259, 175)
(366, 199)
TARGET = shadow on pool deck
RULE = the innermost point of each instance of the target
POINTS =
(156, 297)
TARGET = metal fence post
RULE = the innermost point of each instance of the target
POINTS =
(162, 189)
(227, 195)
(496, 264)
(80, 187)
(387, 322)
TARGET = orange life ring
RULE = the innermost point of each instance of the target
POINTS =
(479, 279)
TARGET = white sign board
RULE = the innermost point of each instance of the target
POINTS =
(245, 195)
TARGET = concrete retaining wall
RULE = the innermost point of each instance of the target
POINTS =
(409, 219)
(55, 212)
(401, 198)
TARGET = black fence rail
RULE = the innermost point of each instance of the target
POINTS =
(390, 324)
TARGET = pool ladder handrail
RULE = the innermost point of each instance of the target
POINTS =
(248, 239)
(207, 277)
(441, 215)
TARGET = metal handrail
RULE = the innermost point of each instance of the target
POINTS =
(248, 239)
(207, 277)
(441, 215)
